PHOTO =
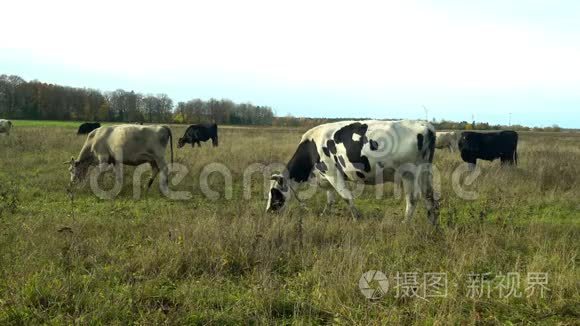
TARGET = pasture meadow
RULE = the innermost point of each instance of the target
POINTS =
(74, 258)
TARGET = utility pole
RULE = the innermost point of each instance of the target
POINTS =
(510, 120)
(426, 113)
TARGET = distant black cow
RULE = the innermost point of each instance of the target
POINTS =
(198, 133)
(87, 127)
(489, 146)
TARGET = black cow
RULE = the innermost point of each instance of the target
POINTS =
(87, 127)
(489, 146)
(198, 133)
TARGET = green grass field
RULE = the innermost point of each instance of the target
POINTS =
(45, 123)
(152, 260)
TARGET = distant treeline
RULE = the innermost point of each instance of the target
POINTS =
(464, 125)
(222, 112)
(35, 100)
(290, 121)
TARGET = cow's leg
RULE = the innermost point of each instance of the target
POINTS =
(472, 165)
(103, 164)
(431, 202)
(154, 172)
(198, 143)
(340, 186)
(469, 159)
(118, 170)
(163, 176)
(507, 160)
(330, 199)
(411, 196)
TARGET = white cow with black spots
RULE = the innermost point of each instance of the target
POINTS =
(5, 126)
(370, 152)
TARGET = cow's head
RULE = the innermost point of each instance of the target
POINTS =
(181, 142)
(279, 193)
(78, 170)
(191, 136)
(467, 143)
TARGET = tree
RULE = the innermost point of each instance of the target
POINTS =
(20, 99)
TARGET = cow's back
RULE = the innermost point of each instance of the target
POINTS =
(500, 141)
(491, 145)
(368, 144)
(507, 142)
(129, 142)
(87, 127)
(204, 131)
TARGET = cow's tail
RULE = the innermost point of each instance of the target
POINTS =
(170, 141)
(215, 141)
(516, 151)
(429, 144)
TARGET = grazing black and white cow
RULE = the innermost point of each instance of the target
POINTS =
(124, 144)
(87, 127)
(370, 152)
(5, 126)
(198, 133)
(448, 139)
(489, 146)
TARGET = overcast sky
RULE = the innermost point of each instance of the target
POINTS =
(376, 59)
